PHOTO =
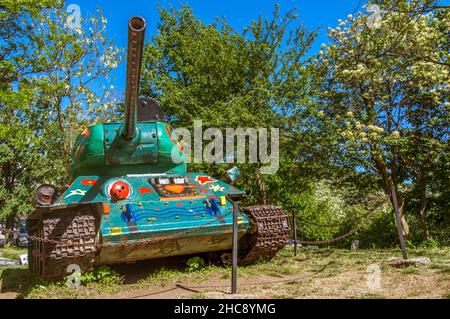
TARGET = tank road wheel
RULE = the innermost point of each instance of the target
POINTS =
(226, 258)
(64, 237)
(270, 234)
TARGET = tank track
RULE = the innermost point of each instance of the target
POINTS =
(269, 236)
(61, 238)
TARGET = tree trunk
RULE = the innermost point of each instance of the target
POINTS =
(423, 205)
(401, 204)
(398, 221)
(389, 181)
(261, 187)
(9, 225)
(396, 199)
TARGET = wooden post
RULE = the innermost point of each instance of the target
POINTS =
(235, 249)
(399, 222)
(294, 226)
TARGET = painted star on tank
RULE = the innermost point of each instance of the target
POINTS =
(76, 192)
(204, 179)
(216, 188)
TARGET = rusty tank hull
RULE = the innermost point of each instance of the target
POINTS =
(92, 230)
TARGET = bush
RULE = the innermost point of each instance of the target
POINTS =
(428, 243)
(103, 275)
(381, 232)
(195, 263)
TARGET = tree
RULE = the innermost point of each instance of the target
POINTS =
(383, 93)
(256, 78)
(49, 71)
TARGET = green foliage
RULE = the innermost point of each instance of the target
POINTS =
(381, 232)
(195, 263)
(383, 96)
(430, 242)
(48, 74)
(230, 79)
(12, 252)
(102, 275)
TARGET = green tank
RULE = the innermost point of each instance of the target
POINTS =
(129, 200)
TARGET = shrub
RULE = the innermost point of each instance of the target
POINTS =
(195, 263)
(102, 275)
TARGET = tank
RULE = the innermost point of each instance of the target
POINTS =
(128, 200)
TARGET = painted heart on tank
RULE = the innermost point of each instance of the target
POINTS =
(177, 189)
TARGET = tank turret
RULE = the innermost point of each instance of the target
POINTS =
(143, 143)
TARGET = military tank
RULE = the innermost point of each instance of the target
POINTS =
(129, 200)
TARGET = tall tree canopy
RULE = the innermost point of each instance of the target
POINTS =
(383, 95)
(229, 79)
(48, 68)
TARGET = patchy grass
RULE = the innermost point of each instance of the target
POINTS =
(18, 280)
(314, 273)
(12, 252)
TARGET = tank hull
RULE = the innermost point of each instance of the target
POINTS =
(86, 227)
(62, 238)
(165, 248)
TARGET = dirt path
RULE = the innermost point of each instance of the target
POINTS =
(318, 273)
(8, 295)
(211, 288)
(219, 288)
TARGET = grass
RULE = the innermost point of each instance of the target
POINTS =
(314, 273)
(12, 252)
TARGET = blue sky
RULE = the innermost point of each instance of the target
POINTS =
(314, 14)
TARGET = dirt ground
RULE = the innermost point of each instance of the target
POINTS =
(314, 273)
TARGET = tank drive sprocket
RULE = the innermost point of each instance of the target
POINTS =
(62, 239)
(270, 234)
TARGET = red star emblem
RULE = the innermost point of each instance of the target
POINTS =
(88, 181)
(204, 179)
(143, 190)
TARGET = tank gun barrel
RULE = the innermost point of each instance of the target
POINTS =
(136, 32)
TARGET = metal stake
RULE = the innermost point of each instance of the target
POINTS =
(235, 249)
(294, 225)
(399, 222)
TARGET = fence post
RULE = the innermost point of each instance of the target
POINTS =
(235, 249)
(294, 226)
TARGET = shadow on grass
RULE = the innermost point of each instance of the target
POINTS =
(139, 270)
(19, 280)
(323, 252)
